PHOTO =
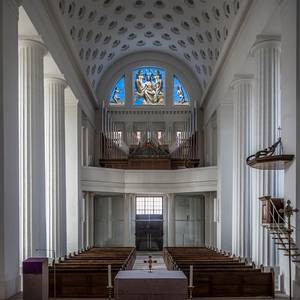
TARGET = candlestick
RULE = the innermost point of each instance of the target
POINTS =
(109, 276)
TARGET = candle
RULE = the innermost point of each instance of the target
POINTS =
(109, 275)
(191, 275)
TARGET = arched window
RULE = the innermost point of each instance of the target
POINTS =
(149, 86)
(117, 96)
(180, 95)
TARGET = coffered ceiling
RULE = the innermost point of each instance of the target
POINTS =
(103, 31)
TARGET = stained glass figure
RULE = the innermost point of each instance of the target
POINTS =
(149, 86)
(117, 96)
(180, 95)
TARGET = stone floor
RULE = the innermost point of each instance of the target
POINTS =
(156, 256)
(159, 265)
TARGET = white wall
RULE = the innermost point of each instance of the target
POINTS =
(189, 220)
(109, 221)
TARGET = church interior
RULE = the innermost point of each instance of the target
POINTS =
(148, 149)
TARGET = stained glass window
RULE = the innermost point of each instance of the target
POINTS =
(117, 96)
(180, 95)
(149, 86)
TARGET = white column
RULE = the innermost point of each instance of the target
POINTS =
(73, 165)
(55, 163)
(224, 195)
(241, 197)
(171, 221)
(31, 148)
(266, 120)
(109, 219)
(127, 220)
(9, 166)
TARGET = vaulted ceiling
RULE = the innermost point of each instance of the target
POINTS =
(102, 31)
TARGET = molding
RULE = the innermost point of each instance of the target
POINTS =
(149, 181)
(149, 112)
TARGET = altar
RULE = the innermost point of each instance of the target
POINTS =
(157, 285)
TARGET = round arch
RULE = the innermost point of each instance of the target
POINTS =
(170, 64)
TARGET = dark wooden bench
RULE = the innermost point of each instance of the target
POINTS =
(219, 275)
(85, 275)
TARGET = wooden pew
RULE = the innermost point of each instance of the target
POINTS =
(219, 275)
(84, 275)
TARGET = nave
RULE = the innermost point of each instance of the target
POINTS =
(207, 265)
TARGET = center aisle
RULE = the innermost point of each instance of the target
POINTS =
(142, 256)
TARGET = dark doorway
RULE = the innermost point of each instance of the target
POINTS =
(149, 232)
(149, 224)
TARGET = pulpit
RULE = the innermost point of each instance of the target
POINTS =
(35, 279)
(271, 209)
(145, 285)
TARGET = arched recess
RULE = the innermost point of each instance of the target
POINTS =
(171, 65)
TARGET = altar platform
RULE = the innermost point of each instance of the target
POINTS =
(143, 285)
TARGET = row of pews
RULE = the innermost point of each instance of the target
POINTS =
(219, 274)
(85, 274)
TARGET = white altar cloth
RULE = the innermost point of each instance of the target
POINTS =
(143, 285)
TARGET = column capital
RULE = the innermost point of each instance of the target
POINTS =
(55, 78)
(241, 78)
(32, 42)
(92, 194)
(266, 41)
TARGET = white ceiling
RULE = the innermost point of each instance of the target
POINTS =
(102, 31)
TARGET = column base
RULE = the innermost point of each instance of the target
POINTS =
(10, 288)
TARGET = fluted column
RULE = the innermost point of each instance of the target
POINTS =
(171, 221)
(241, 208)
(31, 148)
(55, 163)
(9, 166)
(266, 120)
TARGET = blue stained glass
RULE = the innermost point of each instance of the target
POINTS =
(117, 96)
(149, 86)
(180, 95)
